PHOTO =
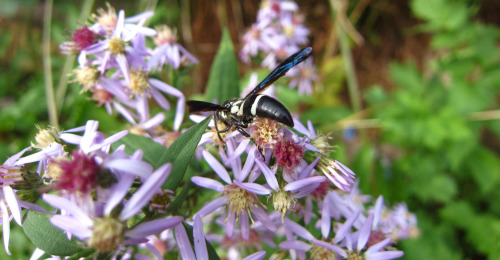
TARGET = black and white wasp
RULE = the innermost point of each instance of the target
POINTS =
(240, 112)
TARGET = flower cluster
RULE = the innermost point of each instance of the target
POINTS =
(278, 32)
(92, 187)
(292, 174)
(115, 65)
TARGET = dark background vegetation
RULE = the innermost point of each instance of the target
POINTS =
(428, 73)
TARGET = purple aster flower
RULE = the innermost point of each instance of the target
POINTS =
(259, 38)
(316, 248)
(337, 173)
(293, 28)
(167, 51)
(181, 100)
(113, 48)
(356, 243)
(99, 228)
(239, 202)
(397, 223)
(284, 198)
(9, 202)
(81, 38)
(303, 76)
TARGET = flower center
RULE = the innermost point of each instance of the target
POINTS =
(161, 201)
(76, 175)
(102, 96)
(353, 255)
(164, 35)
(282, 202)
(54, 169)
(288, 154)
(265, 132)
(288, 30)
(107, 234)
(84, 37)
(87, 77)
(239, 199)
(138, 82)
(321, 253)
(44, 138)
(116, 46)
(107, 19)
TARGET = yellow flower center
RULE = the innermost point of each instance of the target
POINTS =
(138, 82)
(288, 30)
(116, 46)
(107, 19)
(265, 132)
(164, 35)
(107, 234)
(53, 169)
(321, 253)
(239, 199)
(44, 138)
(282, 202)
(353, 255)
(86, 76)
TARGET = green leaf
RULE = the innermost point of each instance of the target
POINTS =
(408, 77)
(48, 238)
(223, 82)
(484, 167)
(441, 14)
(439, 187)
(152, 150)
(181, 152)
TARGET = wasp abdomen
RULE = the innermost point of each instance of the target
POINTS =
(267, 107)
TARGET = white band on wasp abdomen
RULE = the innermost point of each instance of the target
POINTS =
(253, 110)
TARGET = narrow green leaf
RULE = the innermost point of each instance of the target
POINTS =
(152, 150)
(48, 238)
(223, 82)
(181, 152)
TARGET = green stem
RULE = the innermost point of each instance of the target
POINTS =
(47, 70)
(62, 85)
(345, 50)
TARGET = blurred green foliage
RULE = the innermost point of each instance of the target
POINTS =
(431, 153)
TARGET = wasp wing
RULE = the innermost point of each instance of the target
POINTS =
(279, 71)
(201, 106)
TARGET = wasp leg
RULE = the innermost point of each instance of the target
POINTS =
(242, 131)
(246, 134)
(217, 128)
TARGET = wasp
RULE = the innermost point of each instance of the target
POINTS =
(240, 112)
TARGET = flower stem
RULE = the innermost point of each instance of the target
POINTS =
(62, 84)
(345, 50)
(47, 70)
